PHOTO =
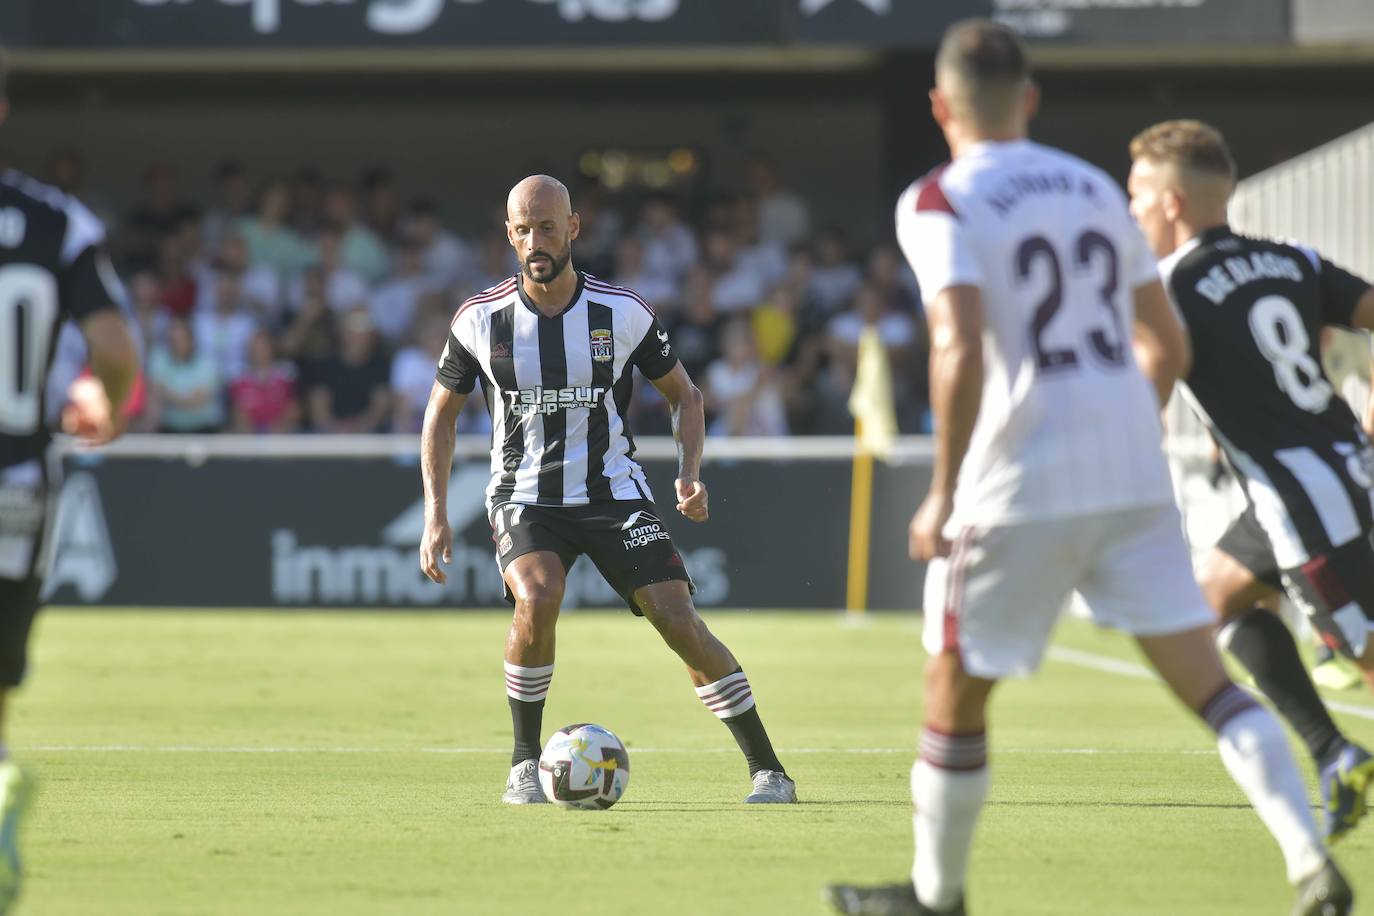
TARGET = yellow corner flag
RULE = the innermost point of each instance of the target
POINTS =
(871, 400)
(875, 432)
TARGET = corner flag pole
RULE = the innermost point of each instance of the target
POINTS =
(875, 431)
(860, 525)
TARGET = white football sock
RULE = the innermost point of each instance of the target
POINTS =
(1256, 753)
(947, 801)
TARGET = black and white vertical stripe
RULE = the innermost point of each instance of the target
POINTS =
(581, 452)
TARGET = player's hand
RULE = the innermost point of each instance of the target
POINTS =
(435, 545)
(692, 499)
(88, 415)
(926, 540)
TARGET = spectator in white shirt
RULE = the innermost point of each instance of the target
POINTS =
(740, 391)
(224, 332)
(394, 304)
(765, 257)
(739, 284)
(784, 218)
(670, 248)
(412, 377)
(344, 288)
(656, 289)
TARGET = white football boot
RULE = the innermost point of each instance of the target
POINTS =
(772, 788)
(522, 788)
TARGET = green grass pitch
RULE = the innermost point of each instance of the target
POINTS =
(325, 763)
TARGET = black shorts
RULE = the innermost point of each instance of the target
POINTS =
(1321, 587)
(26, 509)
(627, 541)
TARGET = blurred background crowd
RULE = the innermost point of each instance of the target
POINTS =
(320, 303)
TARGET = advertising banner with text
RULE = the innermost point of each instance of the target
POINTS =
(512, 24)
(157, 532)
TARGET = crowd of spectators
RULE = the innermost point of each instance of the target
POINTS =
(322, 306)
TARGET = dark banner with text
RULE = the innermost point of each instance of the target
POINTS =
(345, 532)
(514, 24)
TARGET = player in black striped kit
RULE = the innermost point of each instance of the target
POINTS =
(1255, 310)
(52, 268)
(555, 351)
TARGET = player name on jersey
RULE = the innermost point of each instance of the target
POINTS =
(1255, 309)
(1234, 272)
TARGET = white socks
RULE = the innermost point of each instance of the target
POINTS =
(528, 685)
(949, 784)
(1256, 753)
(728, 697)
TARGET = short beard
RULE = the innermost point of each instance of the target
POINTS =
(556, 267)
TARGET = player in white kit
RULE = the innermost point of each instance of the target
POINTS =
(1053, 346)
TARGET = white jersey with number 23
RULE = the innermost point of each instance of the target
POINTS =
(1068, 425)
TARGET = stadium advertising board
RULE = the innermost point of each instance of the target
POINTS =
(1163, 22)
(365, 23)
(345, 532)
(305, 24)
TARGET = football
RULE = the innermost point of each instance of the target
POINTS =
(584, 766)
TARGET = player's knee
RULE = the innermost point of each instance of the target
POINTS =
(676, 622)
(538, 602)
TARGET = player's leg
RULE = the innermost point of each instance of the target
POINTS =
(1142, 582)
(1336, 591)
(19, 601)
(633, 550)
(989, 610)
(534, 555)
(720, 682)
(25, 522)
(1255, 752)
(1234, 578)
(535, 582)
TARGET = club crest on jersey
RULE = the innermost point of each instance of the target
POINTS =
(603, 348)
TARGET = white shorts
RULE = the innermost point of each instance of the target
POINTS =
(997, 596)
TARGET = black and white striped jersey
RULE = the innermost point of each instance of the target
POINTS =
(52, 267)
(558, 389)
(1255, 310)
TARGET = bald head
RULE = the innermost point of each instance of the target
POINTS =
(541, 226)
(538, 191)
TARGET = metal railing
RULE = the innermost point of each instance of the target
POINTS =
(1320, 198)
(193, 448)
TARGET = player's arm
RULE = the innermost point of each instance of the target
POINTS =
(936, 243)
(437, 438)
(1161, 345)
(453, 382)
(89, 288)
(688, 409)
(955, 315)
(656, 359)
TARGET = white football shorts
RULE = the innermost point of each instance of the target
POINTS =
(995, 599)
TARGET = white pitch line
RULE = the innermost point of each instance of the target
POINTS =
(204, 749)
(1109, 665)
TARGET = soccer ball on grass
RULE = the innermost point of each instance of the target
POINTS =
(584, 766)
